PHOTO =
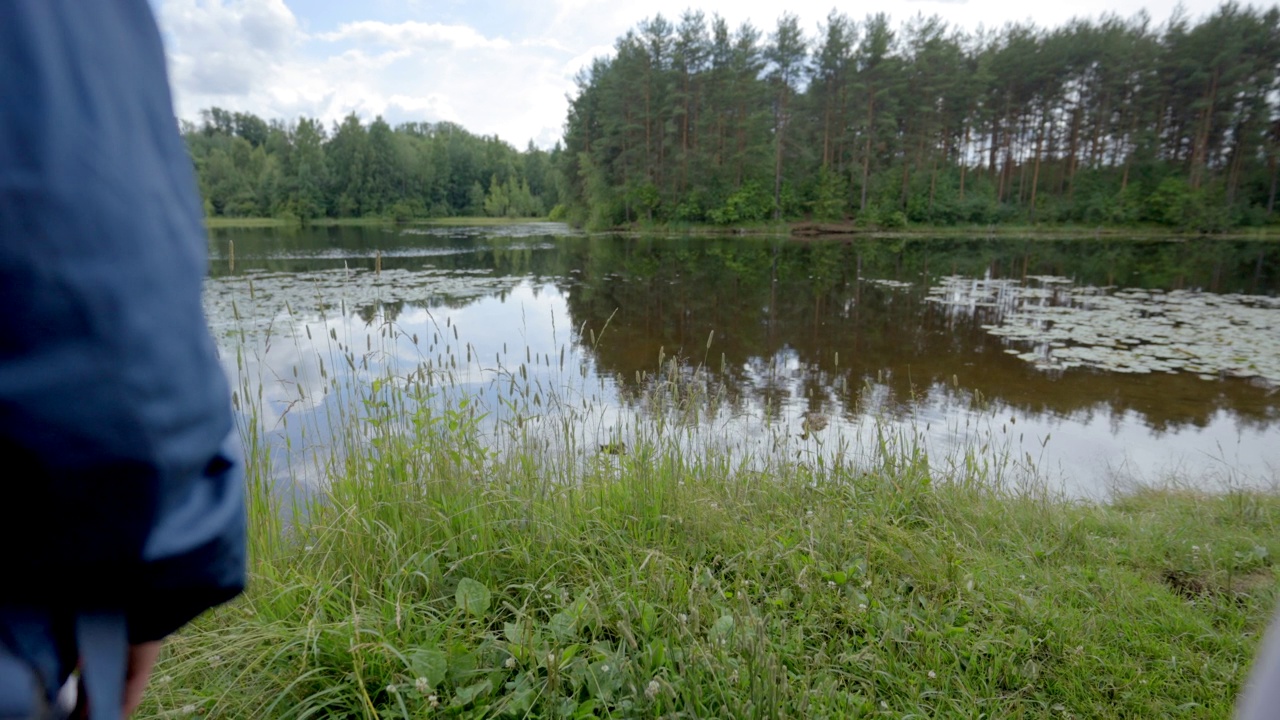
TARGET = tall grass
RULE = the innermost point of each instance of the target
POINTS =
(471, 561)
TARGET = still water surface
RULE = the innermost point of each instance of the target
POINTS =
(1086, 363)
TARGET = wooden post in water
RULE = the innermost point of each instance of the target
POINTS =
(377, 264)
(231, 255)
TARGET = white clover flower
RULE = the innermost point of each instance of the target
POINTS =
(392, 689)
(422, 685)
(188, 710)
(933, 675)
(652, 689)
(433, 701)
(862, 607)
(511, 662)
(604, 668)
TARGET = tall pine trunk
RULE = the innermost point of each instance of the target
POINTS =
(1035, 175)
(1200, 150)
(866, 157)
(1271, 199)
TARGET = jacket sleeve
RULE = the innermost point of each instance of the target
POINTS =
(123, 490)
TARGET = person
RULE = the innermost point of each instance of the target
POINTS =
(123, 513)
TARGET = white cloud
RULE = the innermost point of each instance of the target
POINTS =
(413, 34)
(226, 48)
(434, 105)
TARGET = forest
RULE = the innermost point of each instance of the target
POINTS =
(1109, 121)
(250, 167)
(1100, 122)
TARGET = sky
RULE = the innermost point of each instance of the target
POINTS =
(496, 67)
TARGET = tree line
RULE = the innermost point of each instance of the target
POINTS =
(1115, 121)
(249, 167)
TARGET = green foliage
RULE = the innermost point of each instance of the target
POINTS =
(1176, 204)
(248, 167)
(890, 219)
(644, 198)
(692, 207)
(496, 202)
(472, 597)
(744, 205)
(1079, 124)
(830, 196)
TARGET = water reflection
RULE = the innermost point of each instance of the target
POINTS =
(782, 333)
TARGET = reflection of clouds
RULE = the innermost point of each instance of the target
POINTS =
(1093, 450)
(907, 382)
(297, 373)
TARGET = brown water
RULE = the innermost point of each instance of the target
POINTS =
(966, 344)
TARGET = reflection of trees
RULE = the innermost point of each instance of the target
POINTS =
(775, 304)
(782, 312)
(1224, 266)
(356, 247)
(380, 312)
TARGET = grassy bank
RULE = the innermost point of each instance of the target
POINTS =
(454, 570)
(239, 222)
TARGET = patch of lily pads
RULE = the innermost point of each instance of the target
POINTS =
(1057, 325)
(500, 230)
(888, 284)
(254, 302)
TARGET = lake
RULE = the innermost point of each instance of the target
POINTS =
(1079, 364)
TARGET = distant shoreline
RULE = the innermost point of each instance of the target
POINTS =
(266, 222)
(800, 230)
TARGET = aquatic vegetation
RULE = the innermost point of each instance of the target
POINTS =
(889, 284)
(1057, 325)
(251, 303)
(501, 228)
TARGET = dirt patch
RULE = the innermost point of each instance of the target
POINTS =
(1184, 583)
(1192, 586)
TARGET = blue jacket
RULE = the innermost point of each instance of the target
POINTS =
(121, 490)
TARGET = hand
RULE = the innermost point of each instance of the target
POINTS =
(142, 658)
